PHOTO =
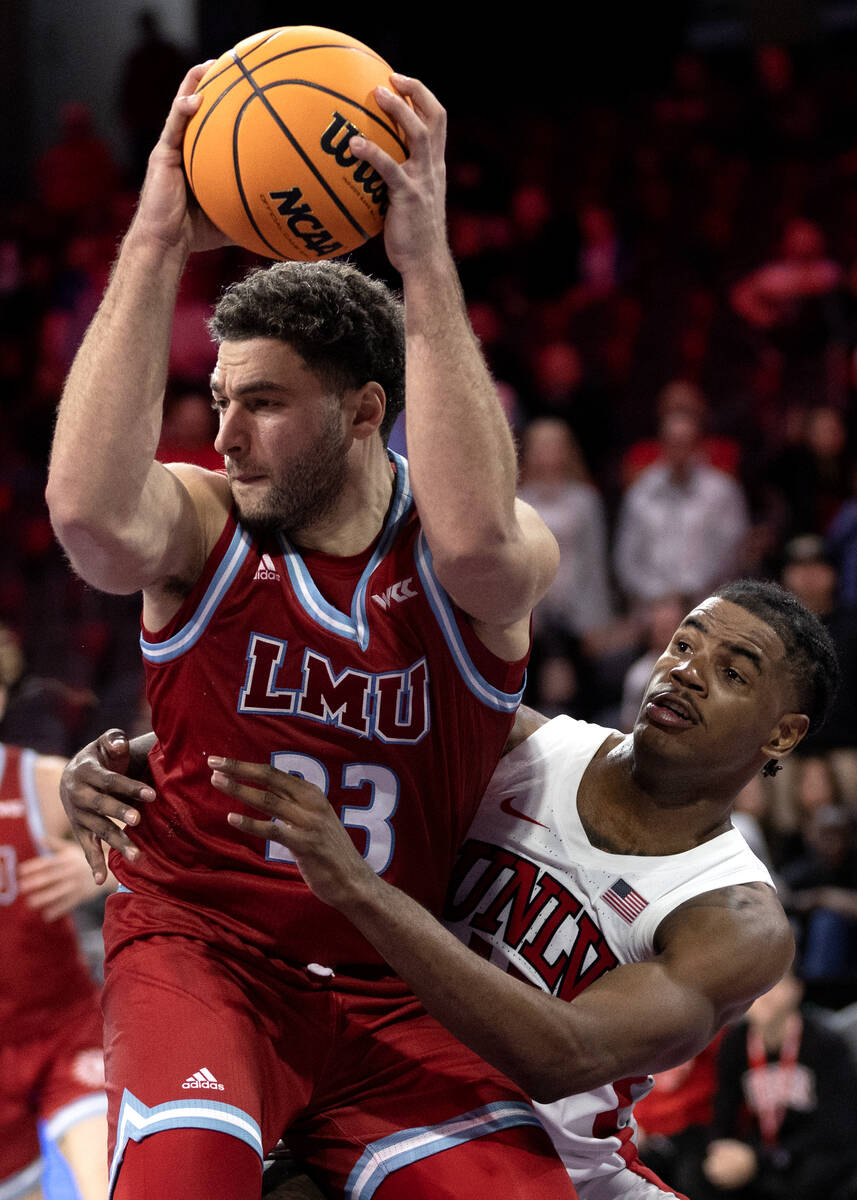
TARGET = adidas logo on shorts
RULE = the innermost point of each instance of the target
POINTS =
(203, 1079)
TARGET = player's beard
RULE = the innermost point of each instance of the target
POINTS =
(307, 488)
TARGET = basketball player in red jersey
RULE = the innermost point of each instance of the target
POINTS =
(329, 608)
(51, 1063)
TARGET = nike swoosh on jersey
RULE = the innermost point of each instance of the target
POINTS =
(506, 807)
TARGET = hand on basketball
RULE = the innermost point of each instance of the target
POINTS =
(166, 210)
(301, 818)
(415, 224)
(57, 880)
(95, 795)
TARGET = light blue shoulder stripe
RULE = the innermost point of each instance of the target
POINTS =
(190, 633)
(442, 608)
(353, 625)
(35, 820)
(382, 1158)
(137, 1121)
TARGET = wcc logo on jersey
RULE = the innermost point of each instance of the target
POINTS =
(507, 901)
(392, 706)
(396, 594)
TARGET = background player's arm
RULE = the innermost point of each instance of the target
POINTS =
(715, 955)
(493, 555)
(126, 521)
(58, 879)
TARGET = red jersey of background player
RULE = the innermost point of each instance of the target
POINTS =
(358, 674)
(42, 972)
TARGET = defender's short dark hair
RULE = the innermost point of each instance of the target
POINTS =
(347, 327)
(810, 652)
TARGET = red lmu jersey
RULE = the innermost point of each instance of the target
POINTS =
(41, 969)
(393, 707)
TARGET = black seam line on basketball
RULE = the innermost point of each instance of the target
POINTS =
(240, 183)
(325, 46)
(319, 87)
(237, 60)
(298, 150)
(203, 123)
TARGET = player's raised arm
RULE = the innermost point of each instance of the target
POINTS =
(125, 521)
(495, 557)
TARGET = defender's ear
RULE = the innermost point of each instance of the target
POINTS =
(789, 730)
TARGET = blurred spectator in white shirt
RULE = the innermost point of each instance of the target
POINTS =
(681, 523)
(555, 481)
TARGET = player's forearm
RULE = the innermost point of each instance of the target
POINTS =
(633, 1020)
(516, 1028)
(109, 418)
(460, 448)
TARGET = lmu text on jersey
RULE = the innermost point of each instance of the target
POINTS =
(392, 706)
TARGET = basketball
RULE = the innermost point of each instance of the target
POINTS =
(267, 152)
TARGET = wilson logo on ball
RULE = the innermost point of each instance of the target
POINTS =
(316, 238)
(368, 178)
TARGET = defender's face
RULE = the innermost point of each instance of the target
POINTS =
(281, 435)
(718, 692)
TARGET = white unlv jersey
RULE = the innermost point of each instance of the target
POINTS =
(533, 894)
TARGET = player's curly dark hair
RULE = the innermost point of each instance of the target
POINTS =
(810, 653)
(346, 326)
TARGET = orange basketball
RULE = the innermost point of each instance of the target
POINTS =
(267, 154)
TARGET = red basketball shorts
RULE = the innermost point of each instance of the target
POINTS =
(361, 1081)
(58, 1079)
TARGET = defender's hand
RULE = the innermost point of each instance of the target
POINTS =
(95, 794)
(301, 818)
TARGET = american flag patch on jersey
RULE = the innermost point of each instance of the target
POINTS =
(624, 900)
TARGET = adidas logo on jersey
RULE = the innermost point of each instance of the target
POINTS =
(203, 1079)
(266, 569)
(399, 591)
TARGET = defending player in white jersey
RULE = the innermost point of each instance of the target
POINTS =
(602, 868)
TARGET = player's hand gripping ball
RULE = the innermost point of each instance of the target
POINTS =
(267, 152)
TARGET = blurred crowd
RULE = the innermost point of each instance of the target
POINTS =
(665, 287)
